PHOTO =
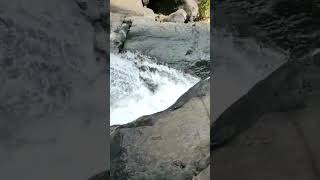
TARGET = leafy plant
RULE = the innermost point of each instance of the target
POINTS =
(204, 9)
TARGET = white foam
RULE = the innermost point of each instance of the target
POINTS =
(131, 97)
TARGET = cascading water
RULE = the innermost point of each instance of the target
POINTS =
(140, 87)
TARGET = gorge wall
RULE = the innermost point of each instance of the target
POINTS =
(53, 58)
(255, 135)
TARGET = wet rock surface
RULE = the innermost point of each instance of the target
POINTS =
(172, 144)
(291, 25)
(254, 135)
(183, 46)
(52, 74)
(238, 64)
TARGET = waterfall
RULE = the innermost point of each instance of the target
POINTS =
(139, 86)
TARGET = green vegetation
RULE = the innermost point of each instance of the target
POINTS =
(204, 9)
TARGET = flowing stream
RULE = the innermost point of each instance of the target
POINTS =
(140, 86)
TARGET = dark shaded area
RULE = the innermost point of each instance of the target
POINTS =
(101, 176)
(117, 169)
(201, 69)
(164, 7)
(275, 93)
(53, 98)
(289, 25)
(255, 136)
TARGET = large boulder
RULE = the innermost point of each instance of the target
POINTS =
(181, 46)
(254, 136)
(289, 25)
(132, 7)
(238, 63)
(281, 91)
(172, 144)
(52, 73)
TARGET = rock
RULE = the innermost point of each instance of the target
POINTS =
(253, 137)
(119, 31)
(280, 91)
(149, 13)
(82, 4)
(228, 17)
(262, 149)
(269, 22)
(316, 57)
(190, 43)
(191, 8)
(204, 175)
(179, 16)
(91, 9)
(101, 41)
(132, 7)
(181, 132)
(184, 44)
(101, 176)
(51, 89)
(239, 63)
(145, 2)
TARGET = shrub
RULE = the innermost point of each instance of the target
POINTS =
(204, 9)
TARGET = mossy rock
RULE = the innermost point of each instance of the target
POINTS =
(204, 9)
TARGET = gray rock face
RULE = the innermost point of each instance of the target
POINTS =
(238, 64)
(181, 46)
(118, 32)
(52, 74)
(125, 7)
(172, 144)
(254, 136)
(316, 57)
(192, 9)
(204, 175)
(145, 2)
(179, 16)
(187, 46)
(291, 25)
(281, 91)
(264, 136)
